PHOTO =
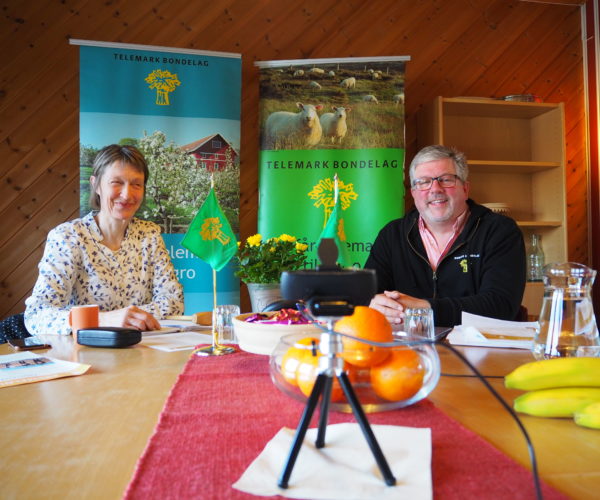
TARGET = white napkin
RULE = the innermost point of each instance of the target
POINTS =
(345, 468)
(482, 331)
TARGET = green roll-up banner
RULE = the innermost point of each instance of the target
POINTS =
(324, 117)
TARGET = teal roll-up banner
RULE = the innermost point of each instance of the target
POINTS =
(324, 117)
(181, 107)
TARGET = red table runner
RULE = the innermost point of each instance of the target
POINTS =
(222, 411)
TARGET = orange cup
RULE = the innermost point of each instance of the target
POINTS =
(83, 317)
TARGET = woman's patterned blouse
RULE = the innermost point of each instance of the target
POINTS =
(77, 269)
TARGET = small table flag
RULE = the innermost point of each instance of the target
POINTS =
(210, 236)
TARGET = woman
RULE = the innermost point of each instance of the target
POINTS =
(108, 257)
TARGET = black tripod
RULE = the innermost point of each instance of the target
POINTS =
(330, 345)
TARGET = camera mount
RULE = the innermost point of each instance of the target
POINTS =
(331, 292)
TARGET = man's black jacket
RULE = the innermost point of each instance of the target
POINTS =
(483, 273)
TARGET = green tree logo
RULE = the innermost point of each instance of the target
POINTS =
(323, 193)
(164, 82)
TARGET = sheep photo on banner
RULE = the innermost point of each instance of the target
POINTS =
(324, 117)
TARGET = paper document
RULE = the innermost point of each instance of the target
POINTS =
(172, 326)
(27, 367)
(176, 341)
(489, 332)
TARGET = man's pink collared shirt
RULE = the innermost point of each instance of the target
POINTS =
(434, 251)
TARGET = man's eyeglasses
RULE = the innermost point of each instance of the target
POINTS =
(425, 183)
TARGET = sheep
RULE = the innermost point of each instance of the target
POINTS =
(348, 83)
(370, 98)
(331, 74)
(317, 71)
(397, 99)
(284, 128)
(334, 124)
(299, 72)
(376, 75)
(314, 85)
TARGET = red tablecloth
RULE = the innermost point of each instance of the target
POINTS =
(223, 410)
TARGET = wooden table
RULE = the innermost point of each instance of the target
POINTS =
(80, 437)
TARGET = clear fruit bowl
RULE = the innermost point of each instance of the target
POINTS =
(383, 378)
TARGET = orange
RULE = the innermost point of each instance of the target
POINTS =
(369, 324)
(399, 377)
(293, 356)
(307, 372)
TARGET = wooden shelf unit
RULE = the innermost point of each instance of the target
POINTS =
(516, 155)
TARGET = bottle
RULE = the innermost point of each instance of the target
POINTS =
(535, 259)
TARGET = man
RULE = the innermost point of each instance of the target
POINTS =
(449, 254)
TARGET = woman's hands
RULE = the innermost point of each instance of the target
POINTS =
(393, 303)
(129, 317)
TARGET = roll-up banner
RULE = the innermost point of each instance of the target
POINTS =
(322, 117)
(181, 108)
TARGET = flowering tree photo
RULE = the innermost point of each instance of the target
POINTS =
(178, 185)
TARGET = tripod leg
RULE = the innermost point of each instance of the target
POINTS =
(324, 412)
(309, 409)
(388, 477)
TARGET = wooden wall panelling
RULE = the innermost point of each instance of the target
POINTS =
(570, 89)
(456, 71)
(25, 252)
(457, 66)
(32, 58)
(33, 200)
(24, 21)
(487, 48)
(426, 46)
(34, 227)
(502, 74)
(501, 40)
(16, 286)
(577, 223)
(32, 145)
(529, 67)
(163, 23)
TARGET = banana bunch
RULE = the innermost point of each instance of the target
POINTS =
(559, 387)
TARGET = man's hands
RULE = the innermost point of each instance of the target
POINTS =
(393, 303)
(129, 317)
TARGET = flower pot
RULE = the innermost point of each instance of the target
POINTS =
(263, 294)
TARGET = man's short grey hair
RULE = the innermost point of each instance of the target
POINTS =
(439, 152)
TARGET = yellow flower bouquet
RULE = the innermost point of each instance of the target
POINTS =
(263, 261)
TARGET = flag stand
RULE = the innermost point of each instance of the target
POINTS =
(215, 222)
(215, 349)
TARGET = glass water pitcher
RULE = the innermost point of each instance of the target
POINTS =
(567, 322)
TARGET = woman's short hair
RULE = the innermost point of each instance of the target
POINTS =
(129, 155)
(439, 152)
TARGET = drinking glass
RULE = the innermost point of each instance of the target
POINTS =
(223, 322)
(418, 323)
